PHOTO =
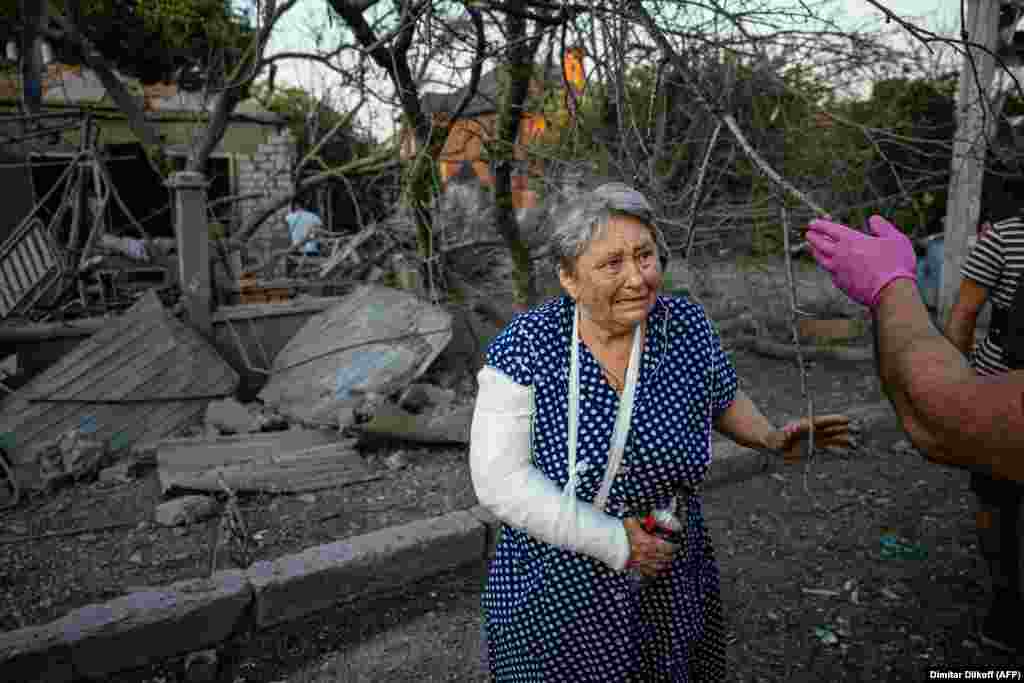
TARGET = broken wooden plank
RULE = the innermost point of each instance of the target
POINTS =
(292, 307)
(765, 347)
(144, 363)
(446, 426)
(29, 332)
(294, 461)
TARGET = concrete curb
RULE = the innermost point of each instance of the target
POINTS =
(147, 626)
(151, 625)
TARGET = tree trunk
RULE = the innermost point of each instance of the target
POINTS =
(419, 185)
(518, 74)
(970, 146)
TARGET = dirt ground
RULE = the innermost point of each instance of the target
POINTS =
(808, 592)
(122, 549)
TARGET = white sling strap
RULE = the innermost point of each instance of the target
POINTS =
(625, 414)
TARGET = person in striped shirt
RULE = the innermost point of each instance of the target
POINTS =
(992, 272)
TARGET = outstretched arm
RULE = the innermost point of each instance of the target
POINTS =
(745, 424)
(956, 416)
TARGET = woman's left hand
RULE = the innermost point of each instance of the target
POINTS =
(829, 430)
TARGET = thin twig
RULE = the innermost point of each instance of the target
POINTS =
(796, 342)
(698, 193)
(217, 533)
(767, 169)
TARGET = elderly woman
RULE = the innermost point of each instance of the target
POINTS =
(594, 409)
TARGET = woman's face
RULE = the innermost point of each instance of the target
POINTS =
(618, 277)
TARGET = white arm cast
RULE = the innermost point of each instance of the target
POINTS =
(519, 494)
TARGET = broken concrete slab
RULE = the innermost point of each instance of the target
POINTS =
(377, 340)
(141, 627)
(231, 417)
(186, 510)
(449, 425)
(297, 585)
(292, 461)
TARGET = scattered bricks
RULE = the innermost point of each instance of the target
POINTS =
(186, 510)
(296, 585)
(35, 654)
(141, 628)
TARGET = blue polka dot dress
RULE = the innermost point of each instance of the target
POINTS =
(555, 615)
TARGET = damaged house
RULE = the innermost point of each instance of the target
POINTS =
(102, 351)
(254, 157)
(464, 155)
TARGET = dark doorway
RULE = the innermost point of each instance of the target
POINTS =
(16, 182)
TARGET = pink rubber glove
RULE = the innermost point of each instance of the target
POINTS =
(862, 265)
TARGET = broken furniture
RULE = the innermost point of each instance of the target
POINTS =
(29, 267)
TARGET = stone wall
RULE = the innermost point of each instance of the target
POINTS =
(268, 171)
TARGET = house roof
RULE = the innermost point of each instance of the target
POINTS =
(486, 99)
(75, 86)
(138, 379)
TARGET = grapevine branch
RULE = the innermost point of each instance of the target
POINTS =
(784, 215)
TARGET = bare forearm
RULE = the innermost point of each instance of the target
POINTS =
(960, 329)
(745, 424)
(954, 415)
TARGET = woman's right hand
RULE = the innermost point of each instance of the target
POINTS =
(648, 554)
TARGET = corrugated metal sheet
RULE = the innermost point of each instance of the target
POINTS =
(140, 379)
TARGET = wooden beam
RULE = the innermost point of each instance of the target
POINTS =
(39, 332)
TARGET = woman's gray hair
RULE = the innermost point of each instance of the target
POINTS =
(585, 219)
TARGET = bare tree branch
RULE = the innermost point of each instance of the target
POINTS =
(131, 106)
